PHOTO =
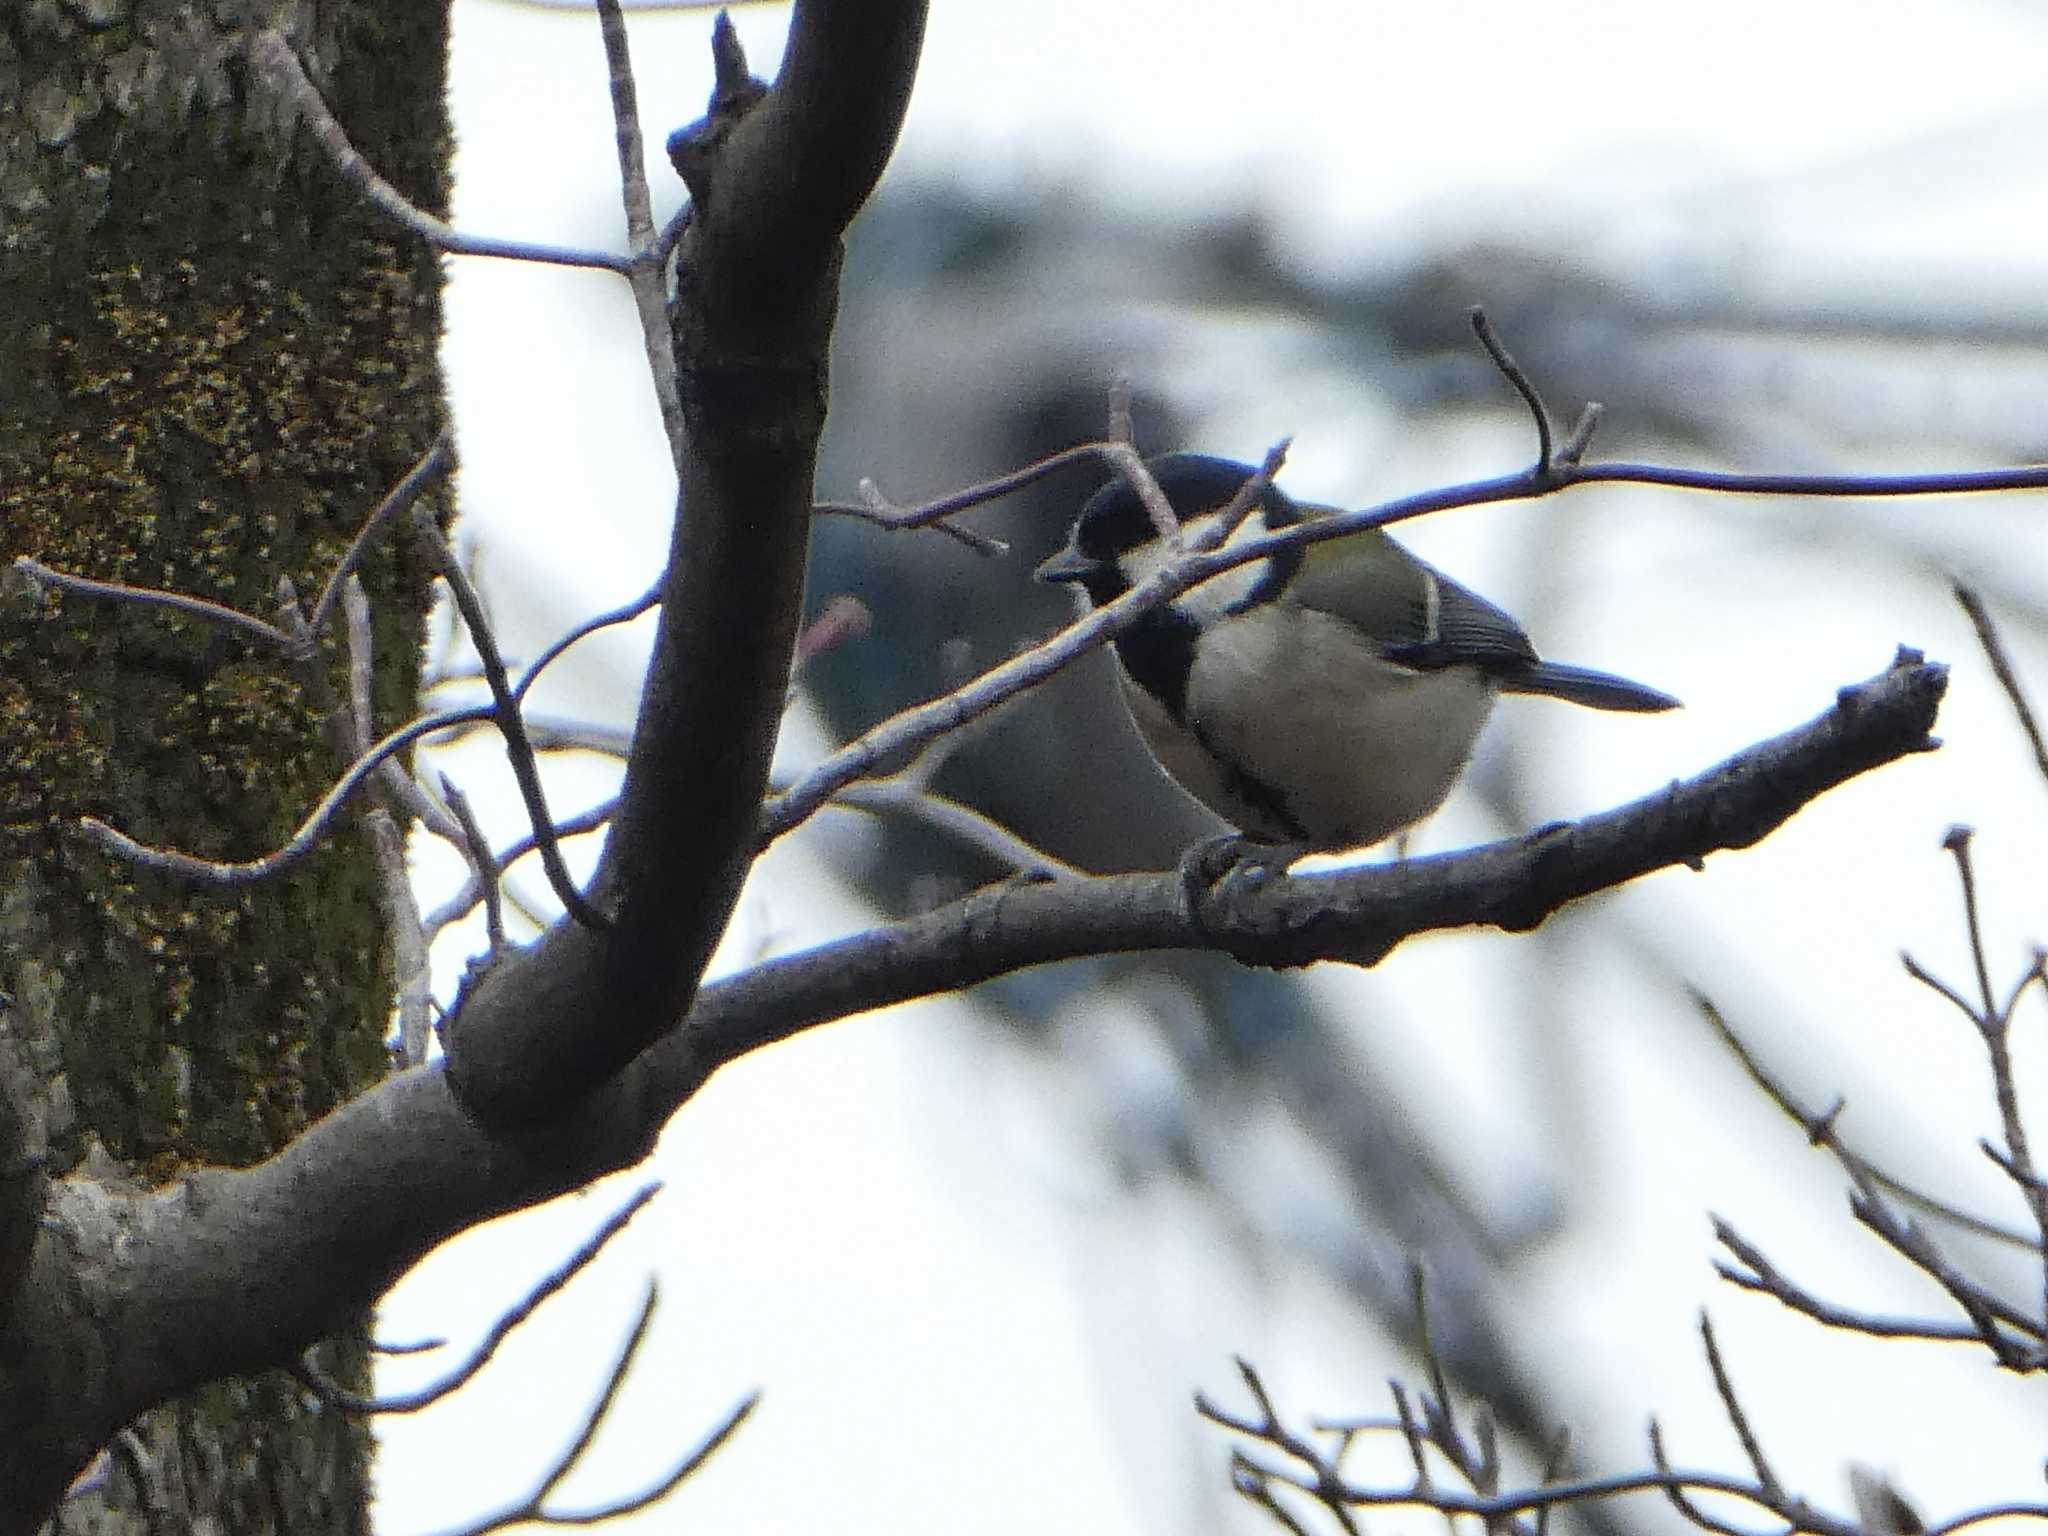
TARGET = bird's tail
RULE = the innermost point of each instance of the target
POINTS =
(1582, 685)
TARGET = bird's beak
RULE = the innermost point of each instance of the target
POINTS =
(1068, 565)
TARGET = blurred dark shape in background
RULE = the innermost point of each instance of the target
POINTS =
(974, 340)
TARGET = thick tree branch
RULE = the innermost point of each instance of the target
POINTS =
(1358, 915)
(774, 177)
(230, 1271)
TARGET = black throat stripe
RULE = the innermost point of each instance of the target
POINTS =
(1158, 651)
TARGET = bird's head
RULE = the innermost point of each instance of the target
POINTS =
(1114, 543)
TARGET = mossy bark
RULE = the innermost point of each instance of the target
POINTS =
(214, 360)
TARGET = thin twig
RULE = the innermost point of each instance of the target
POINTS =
(274, 58)
(1984, 1310)
(2002, 669)
(657, 255)
(1957, 842)
(921, 723)
(1250, 1482)
(549, 1285)
(623, 614)
(1412, 1432)
(518, 749)
(1580, 439)
(1546, 456)
(1130, 465)
(1724, 1384)
(1677, 1493)
(962, 823)
(1319, 1480)
(177, 602)
(477, 850)
(1820, 1130)
(649, 297)
(1938, 987)
(532, 1509)
(410, 963)
(302, 842)
(438, 459)
(409, 1347)
(1764, 1277)
(1994, 1027)
(876, 508)
(459, 906)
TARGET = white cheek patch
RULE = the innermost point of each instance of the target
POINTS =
(1220, 594)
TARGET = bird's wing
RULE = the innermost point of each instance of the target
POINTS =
(1423, 620)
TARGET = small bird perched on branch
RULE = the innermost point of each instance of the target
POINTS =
(1323, 697)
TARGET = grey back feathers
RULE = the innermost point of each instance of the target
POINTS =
(1404, 609)
(1325, 695)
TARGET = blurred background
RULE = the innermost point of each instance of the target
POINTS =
(981, 1252)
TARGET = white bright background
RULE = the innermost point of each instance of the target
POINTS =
(895, 1227)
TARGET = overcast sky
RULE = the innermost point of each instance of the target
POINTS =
(890, 1235)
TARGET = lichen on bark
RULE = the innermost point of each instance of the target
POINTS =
(216, 361)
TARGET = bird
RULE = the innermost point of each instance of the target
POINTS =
(1321, 698)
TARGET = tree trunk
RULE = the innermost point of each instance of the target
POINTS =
(215, 360)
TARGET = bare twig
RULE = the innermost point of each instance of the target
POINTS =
(302, 842)
(1938, 987)
(1985, 1311)
(477, 850)
(1327, 1485)
(962, 823)
(1957, 842)
(624, 614)
(842, 620)
(550, 1284)
(874, 507)
(532, 1509)
(923, 722)
(2002, 669)
(1249, 1480)
(437, 460)
(408, 1347)
(1766, 1479)
(649, 299)
(1130, 465)
(410, 964)
(518, 749)
(1314, 1475)
(1761, 1275)
(459, 906)
(1994, 1028)
(1820, 1129)
(906, 794)
(274, 57)
(1678, 1494)
(1412, 1432)
(926, 722)
(177, 602)
(1546, 455)
(1580, 439)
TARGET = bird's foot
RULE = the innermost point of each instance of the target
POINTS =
(1219, 872)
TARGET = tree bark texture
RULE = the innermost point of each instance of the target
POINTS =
(214, 359)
